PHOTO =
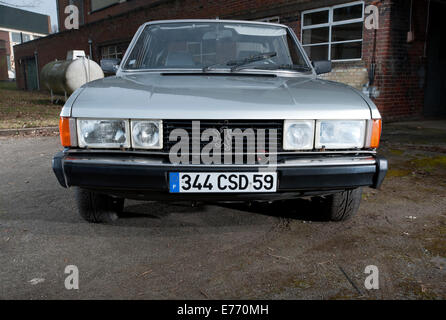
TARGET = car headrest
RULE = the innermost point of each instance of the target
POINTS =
(243, 54)
(179, 59)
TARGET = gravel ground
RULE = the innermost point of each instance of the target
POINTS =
(276, 251)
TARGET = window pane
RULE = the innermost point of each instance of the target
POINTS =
(26, 37)
(316, 18)
(344, 32)
(15, 37)
(316, 35)
(317, 52)
(347, 13)
(343, 51)
(99, 4)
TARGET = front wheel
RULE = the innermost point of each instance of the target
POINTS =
(96, 207)
(343, 205)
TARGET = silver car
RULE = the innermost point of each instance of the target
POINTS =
(215, 110)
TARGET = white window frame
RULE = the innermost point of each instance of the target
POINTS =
(109, 55)
(332, 23)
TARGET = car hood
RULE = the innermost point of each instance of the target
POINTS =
(218, 96)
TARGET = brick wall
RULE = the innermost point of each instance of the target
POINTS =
(209, 9)
(237, 9)
(400, 64)
(4, 35)
(355, 76)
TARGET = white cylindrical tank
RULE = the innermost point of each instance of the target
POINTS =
(65, 76)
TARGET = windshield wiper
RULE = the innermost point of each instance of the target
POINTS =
(211, 66)
(260, 57)
(293, 67)
(235, 64)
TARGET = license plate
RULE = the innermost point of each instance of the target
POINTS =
(235, 182)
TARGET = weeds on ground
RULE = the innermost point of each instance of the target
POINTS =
(26, 109)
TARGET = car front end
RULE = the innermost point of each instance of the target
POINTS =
(238, 130)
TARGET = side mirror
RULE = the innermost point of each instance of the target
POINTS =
(322, 66)
(110, 66)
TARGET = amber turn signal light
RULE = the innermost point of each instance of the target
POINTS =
(64, 130)
(376, 133)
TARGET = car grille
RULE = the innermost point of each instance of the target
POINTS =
(220, 125)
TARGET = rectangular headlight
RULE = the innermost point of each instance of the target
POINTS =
(340, 134)
(95, 133)
(147, 134)
(298, 134)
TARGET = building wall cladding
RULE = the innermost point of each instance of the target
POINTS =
(23, 20)
(4, 51)
(3, 61)
(399, 65)
(4, 35)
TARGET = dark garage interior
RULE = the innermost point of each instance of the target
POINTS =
(435, 92)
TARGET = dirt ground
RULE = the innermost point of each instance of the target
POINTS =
(26, 109)
(276, 251)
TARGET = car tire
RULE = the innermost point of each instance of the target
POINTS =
(343, 205)
(118, 205)
(98, 208)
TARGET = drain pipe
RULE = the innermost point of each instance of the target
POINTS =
(37, 68)
(369, 89)
(427, 28)
(90, 42)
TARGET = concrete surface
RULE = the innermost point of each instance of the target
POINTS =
(159, 251)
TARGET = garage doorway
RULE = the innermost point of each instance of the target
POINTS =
(435, 92)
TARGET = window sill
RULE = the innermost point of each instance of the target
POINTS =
(348, 63)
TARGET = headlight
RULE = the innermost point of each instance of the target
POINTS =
(103, 133)
(298, 135)
(147, 134)
(340, 134)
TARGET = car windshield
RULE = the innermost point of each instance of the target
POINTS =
(215, 45)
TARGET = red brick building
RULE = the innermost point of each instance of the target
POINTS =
(402, 62)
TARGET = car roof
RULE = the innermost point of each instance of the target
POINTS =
(214, 21)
